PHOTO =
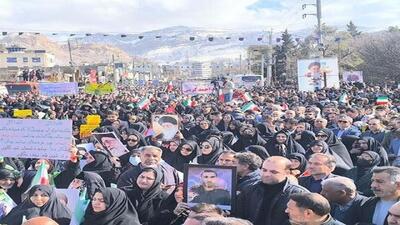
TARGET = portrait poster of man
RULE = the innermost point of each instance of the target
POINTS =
(313, 72)
(353, 76)
(111, 143)
(165, 126)
(210, 184)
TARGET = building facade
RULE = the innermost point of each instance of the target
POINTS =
(17, 57)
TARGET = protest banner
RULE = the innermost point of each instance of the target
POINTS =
(197, 87)
(312, 73)
(111, 143)
(99, 89)
(165, 126)
(18, 87)
(93, 120)
(85, 130)
(58, 89)
(39, 139)
(22, 113)
(353, 76)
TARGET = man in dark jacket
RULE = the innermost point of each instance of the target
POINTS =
(310, 209)
(265, 202)
(342, 194)
(386, 186)
(321, 167)
(248, 169)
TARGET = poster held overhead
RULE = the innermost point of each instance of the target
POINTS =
(315, 74)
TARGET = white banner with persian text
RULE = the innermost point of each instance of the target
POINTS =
(47, 139)
(197, 87)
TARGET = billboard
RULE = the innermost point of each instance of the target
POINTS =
(353, 76)
(313, 72)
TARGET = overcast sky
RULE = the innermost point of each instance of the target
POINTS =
(133, 16)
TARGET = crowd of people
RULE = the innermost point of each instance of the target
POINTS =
(300, 158)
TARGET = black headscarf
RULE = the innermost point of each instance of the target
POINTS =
(337, 146)
(53, 209)
(180, 160)
(217, 149)
(306, 138)
(147, 203)
(341, 166)
(258, 150)
(139, 126)
(93, 181)
(119, 210)
(142, 141)
(375, 146)
(291, 146)
(301, 158)
(101, 162)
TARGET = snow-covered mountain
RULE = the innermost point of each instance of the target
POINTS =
(180, 43)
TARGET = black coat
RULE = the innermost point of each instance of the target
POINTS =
(250, 201)
(248, 180)
(364, 212)
(306, 181)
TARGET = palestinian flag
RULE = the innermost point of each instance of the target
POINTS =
(41, 177)
(249, 106)
(246, 97)
(144, 103)
(382, 100)
(344, 98)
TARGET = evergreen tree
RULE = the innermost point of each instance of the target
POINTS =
(352, 29)
(283, 53)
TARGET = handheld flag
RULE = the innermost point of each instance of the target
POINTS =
(382, 100)
(246, 97)
(249, 106)
(80, 207)
(143, 103)
(41, 177)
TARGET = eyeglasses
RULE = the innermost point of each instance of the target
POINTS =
(203, 123)
(321, 135)
(187, 149)
(133, 140)
(342, 121)
(319, 121)
(205, 146)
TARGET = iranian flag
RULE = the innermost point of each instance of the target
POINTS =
(246, 97)
(249, 106)
(382, 100)
(187, 102)
(144, 103)
(41, 177)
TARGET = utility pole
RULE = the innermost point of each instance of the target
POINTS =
(269, 58)
(71, 62)
(318, 14)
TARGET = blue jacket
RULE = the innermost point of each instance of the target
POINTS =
(350, 131)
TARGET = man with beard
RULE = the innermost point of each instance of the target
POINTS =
(264, 203)
(208, 192)
(170, 127)
(386, 187)
(391, 141)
